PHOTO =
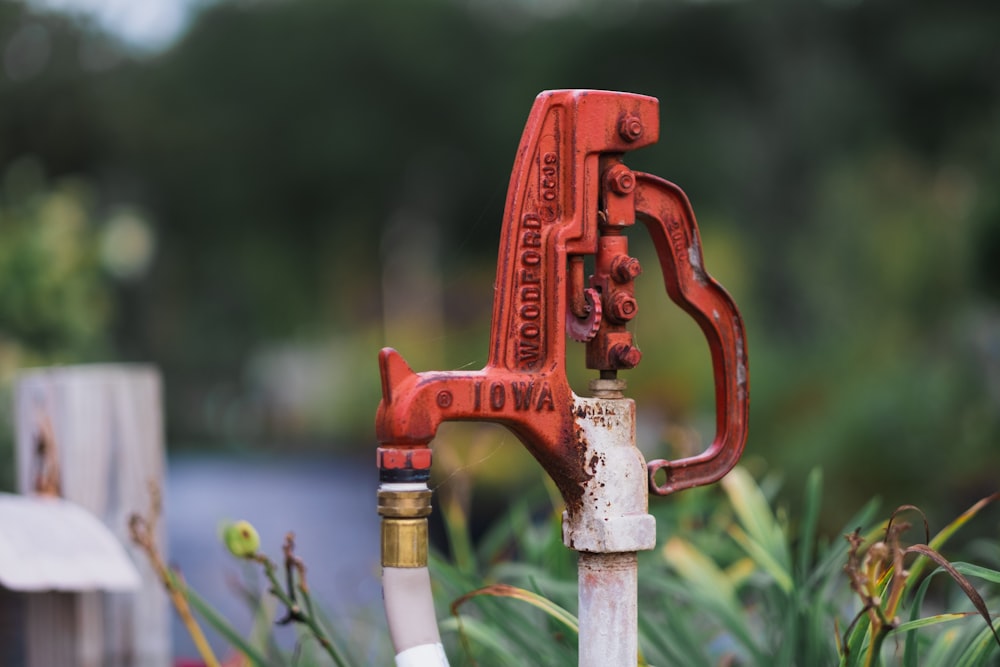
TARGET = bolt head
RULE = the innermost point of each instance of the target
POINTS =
(625, 182)
(620, 179)
(624, 268)
(624, 356)
(622, 307)
(630, 128)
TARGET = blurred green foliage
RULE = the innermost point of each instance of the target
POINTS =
(303, 165)
(55, 303)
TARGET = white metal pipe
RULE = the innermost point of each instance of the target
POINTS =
(612, 514)
(608, 612)
(607, 527)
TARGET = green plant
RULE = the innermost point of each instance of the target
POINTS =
(734, 582)
(259, 649)
(880, 579)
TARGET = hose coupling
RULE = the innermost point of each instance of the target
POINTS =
(404, 526)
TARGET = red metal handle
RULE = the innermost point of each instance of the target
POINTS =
(667, 214)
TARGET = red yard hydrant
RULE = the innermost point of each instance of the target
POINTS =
(570, 196)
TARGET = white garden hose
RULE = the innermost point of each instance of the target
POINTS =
(406, 582)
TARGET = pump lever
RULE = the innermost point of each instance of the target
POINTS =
(667, 214)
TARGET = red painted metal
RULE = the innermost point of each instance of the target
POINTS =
(571, 196)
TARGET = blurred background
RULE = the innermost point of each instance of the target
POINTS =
(258, 195)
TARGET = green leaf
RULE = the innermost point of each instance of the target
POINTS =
(832, 561)
(712, 591)
(945, 534)
(943, 651)
(676, 642)
(931, 620)
(807, 536)
(484, 635)
(534, 599)
(963, 583)
(979, 649)
(764, 559)
(755, 514)
(699, 570)
(978, 571)
(910, 653)
(220, 624)
(459, 537)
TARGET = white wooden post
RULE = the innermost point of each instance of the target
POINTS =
(107, 423)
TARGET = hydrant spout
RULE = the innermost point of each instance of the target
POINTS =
(535, 407)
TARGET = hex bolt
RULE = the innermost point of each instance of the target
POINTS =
(622, 307)
(625, 268)
(623, 355)
(620, 179)
(630, 127)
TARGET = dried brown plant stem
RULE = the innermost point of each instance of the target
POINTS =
(142, 530)
(294, 566)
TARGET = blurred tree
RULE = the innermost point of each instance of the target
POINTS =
(55, 301)
(842, 157)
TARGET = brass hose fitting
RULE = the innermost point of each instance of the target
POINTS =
(404, 527)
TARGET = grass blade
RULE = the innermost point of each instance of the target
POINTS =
(676, 643)
(714, 591)
(928, 621)
(456, 526)
(807, 536)
(970, 570)
(945, 534)
(484, 636)
(833, 559)
(963, 583)
(221, 625)
(764, 559)
(755, 514)
(978, 650)
(534, 599)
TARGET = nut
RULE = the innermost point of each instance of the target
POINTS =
(620, 179)
(625, 268)
(622, 307)
(623, 355)
(630, 127)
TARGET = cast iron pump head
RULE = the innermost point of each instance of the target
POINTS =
(571, 196)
